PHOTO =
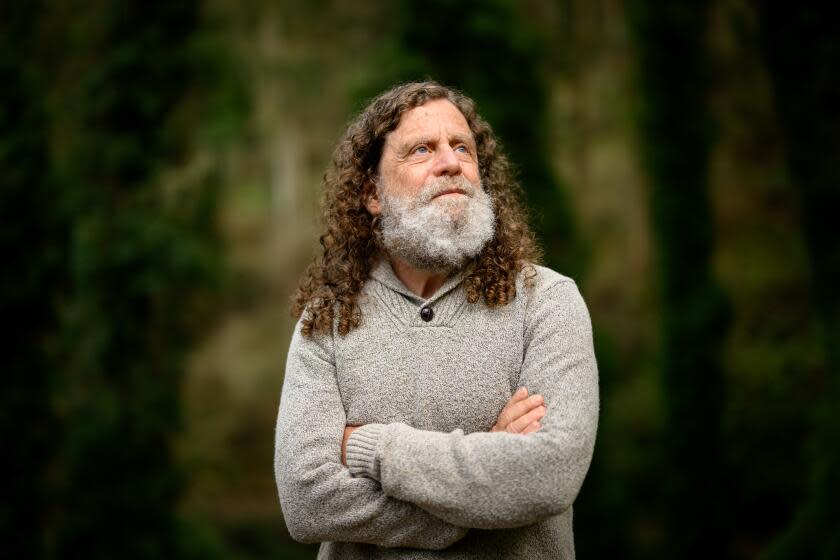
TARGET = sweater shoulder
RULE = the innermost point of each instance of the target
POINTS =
(539, 279)
(543, 288)
(554, 300)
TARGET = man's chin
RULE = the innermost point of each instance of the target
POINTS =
(453, 206)
(453, 200)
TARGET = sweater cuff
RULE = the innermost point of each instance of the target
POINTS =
(362, 447)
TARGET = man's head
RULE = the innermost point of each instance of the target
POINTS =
(418, 175)
(434, 213)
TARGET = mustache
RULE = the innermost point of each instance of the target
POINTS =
(440, 185)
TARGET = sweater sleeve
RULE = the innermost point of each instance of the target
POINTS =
(320, 499)
(501, 480)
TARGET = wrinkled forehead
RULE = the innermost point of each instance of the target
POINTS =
(433, 117)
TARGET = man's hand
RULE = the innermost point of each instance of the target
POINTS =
(347, 431)
(521, 414)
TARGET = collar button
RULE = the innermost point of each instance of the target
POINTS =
(426, 313)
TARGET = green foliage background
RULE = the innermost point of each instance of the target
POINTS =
(161, 171)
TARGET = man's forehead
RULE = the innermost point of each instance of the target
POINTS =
(431, 116)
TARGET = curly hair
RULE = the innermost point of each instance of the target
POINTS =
(352, 243)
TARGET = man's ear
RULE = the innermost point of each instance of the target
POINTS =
(372, 203)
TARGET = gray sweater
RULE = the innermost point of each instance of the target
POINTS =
(426, 479)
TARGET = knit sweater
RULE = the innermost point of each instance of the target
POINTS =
(426, 478)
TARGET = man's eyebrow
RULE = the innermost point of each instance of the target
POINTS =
(412, 141)
(463, 139)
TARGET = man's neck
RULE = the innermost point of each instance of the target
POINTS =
(424, 283)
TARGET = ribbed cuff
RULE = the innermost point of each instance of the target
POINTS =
(362, 445)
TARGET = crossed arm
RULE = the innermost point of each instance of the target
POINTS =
(435, 485)
(520, 415)
(321, 500)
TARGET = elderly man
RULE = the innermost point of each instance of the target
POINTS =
(441, 390)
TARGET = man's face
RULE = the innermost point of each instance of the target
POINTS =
(435, 214)
(433, 140)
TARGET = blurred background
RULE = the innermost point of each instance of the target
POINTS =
(161, 169)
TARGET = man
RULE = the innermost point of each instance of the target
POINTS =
(405, 427)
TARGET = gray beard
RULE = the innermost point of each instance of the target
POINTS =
(439, 234)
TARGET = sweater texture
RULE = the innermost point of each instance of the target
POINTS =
(426, 479)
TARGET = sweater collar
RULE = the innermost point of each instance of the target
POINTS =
(384, 274)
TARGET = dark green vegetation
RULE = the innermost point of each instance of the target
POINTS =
(800, 49)
(160, 171)
(674, 122)
(142, 262)
(34, 271)
(109, 273)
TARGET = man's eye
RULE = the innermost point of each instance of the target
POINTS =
(463, 149)
(421, 150)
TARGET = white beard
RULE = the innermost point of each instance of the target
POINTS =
(437, 234)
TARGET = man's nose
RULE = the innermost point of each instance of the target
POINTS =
(446, 162)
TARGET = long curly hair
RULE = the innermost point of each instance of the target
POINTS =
(352, 243)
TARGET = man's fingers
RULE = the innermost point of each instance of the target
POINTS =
(516, 410)
(518, 405)
(520, 395)
(532, 427)
(505, 415)
(524, 421)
